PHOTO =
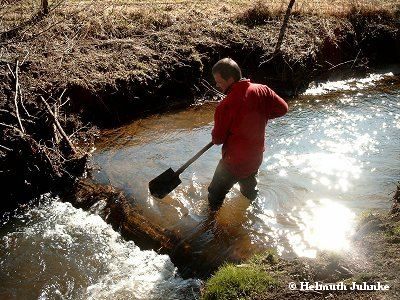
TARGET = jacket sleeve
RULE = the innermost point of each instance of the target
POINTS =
(275, 106)
(222, 122)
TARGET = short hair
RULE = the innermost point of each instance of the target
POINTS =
(227, 68)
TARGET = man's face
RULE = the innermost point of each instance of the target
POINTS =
(221, 83)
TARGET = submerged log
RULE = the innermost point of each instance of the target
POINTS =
(123, 216)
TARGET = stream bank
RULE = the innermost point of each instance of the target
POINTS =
(375, 257)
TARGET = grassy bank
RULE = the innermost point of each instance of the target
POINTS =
(374, 257)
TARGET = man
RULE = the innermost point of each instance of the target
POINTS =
(239, 125)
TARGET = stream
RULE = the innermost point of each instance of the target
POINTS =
(334, 155)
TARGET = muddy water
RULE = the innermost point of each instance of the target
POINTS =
(333, 155)
(55, 251)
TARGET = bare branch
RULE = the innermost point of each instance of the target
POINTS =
(281, 34)
(12, 127)
(208, 86)
(16, 97)
(11, 71)
(22, 103)
(8, 126)
(65, 102)
(284, 25)
(5, 148)
(6, 111)
(60, 129)
(79, 129)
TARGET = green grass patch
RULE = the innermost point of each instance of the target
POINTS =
(233, 282)
(363, 277)
(268, 257)
(393, 233)
(396, 229)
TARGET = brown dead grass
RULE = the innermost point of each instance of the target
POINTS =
(150, 12)
(97, 43)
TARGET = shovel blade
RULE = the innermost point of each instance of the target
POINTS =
(163, 184)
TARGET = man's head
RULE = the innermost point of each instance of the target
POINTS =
(226, 71)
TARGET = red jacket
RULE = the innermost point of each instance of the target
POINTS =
(239, 124)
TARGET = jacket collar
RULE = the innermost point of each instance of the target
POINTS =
(243, 82)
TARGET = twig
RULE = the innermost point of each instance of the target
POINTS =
(79, 129)
(56, 108)
(22, 103)
(12, 127)
(338, 65)
(26, 55)
(65, 102)
(62, 94)
(34, 20)
(5, 148)
(8, 126)
(58, 153)
(207, 85)
(352, 65)
(47, 158)
(6, 111)
(13, 115)
(20, 92)
(11, 71)
(16, 97)
(60, 129)
(55, 126)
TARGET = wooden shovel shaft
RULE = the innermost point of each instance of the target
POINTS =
(190, 161)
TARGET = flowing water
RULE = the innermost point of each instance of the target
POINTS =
(55, 251)
(333, 155)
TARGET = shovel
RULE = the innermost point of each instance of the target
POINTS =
(165, 183)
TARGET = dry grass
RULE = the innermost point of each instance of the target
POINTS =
(90, 43)
(109, 18)
(159, 13)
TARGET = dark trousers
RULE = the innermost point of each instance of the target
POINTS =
(223, 181)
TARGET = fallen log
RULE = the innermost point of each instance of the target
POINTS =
(123, 216)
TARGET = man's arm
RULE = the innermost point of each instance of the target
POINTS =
(222, 122)
(275, 106)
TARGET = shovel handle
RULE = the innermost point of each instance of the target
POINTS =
(190, 161)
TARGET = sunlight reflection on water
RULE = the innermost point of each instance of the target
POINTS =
(334, 154)
(325, 225)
